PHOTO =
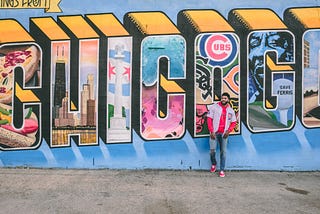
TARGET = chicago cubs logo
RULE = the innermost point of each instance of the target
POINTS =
(220, 49)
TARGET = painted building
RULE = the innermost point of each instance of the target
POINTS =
(96, 85)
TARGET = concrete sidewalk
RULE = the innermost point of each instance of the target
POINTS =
(157, 191)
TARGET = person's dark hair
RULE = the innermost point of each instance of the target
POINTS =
(226, 94)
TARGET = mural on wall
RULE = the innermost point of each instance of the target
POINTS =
(75, 114)
(162, 57)
(270, 111)
(21, 76)
(162, 73)
(217, 63)
(270, 78)
(91, 91)
(311, 78)
(19, 130)
(60, 112)
(119, 90)
(69, 119)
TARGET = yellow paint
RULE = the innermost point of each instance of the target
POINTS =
(275, 67)
(108, 24)
(169, 86)
(309, 17)
(153, 23)
(73, 106)
(200, 20)
(50, 28)
(161, 114)
(259, 19)
(25, 96)
(12, 31)
(268, 105)
(79, 27)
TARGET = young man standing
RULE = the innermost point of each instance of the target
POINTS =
(221, 121)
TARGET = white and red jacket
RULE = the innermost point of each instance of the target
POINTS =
(221, 118)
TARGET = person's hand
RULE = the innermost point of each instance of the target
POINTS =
(226, 134)
(212, 135)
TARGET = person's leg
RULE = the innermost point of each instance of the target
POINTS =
(213, 145)
(213, 156)
(223, 152)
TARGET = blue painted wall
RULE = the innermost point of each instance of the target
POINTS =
(295, 147)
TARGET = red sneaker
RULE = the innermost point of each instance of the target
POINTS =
(221, 174)
(213, 168)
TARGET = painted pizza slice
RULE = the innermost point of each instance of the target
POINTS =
(25, 56)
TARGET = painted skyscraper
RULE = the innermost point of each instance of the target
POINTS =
(60, 79)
